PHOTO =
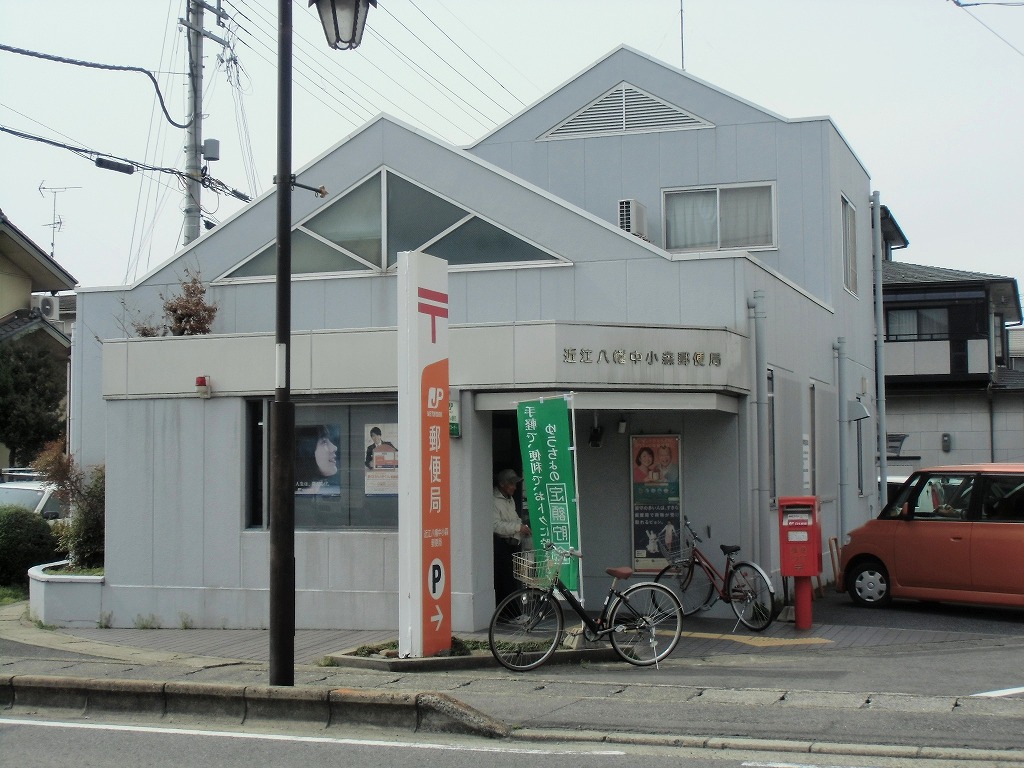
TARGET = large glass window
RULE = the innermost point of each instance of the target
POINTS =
(346, 466)
(364, 230)
(720, 218)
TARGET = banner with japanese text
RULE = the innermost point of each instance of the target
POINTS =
(655, 493)
(549, 480)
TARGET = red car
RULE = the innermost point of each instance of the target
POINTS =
(953, 534)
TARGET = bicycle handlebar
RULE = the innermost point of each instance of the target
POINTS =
(571, 552)
(686, 522)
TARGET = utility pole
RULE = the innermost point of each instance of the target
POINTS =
(194, 133)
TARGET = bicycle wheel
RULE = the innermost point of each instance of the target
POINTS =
(751, 595)
(648, 620)
(691, 582)
(525, 630)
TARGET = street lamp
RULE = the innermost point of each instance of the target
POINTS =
(343, 22)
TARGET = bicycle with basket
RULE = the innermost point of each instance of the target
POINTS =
(743, 584)
(642, 621)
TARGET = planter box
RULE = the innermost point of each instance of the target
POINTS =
(63, 600)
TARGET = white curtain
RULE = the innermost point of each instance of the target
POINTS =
(902, 323)
(691, 219)
(746, 214)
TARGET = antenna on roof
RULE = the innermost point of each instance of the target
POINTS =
(682, 41)
(56, 223)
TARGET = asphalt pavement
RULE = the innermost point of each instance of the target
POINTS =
(914, 680)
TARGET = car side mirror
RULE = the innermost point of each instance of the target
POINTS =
(905, 513)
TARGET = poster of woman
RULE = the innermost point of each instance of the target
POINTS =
(316, 460)
(656, 499)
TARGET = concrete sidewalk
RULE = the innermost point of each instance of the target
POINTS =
(173, 674)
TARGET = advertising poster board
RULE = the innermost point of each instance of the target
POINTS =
(656, 499)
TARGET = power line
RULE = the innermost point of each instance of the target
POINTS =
(104, 160)
(93, 65)
(965, 6)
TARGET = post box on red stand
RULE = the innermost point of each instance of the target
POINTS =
(800, 549)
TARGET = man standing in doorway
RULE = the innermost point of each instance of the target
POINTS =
(508, 530)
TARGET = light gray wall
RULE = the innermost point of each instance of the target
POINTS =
(176, 467)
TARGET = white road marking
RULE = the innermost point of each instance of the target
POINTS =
(304, 739)
(997, 694)
(799, 765)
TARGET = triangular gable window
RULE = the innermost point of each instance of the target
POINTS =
(626, 109)
(349, 235)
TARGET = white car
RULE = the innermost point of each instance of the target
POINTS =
(35, 496)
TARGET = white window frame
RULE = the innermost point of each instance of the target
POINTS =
(717, 189)
(848, 215)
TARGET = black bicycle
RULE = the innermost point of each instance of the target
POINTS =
(643, 621)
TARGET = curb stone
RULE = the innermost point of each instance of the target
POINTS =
(422, 711)
(1002, 757)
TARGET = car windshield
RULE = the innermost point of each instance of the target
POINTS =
(930, 494)
(20, 497)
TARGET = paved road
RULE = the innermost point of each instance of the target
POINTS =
(898, 678)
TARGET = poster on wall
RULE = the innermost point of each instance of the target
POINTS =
(655, 493)
(381, 459)
(316, 460)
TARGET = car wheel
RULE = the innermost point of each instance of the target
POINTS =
(869, 584)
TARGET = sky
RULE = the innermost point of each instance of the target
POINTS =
(929, 95)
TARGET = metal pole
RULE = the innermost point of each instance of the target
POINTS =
(844, 482)
(763, 543)
(883, 439)
(282, 414)
(194, 132)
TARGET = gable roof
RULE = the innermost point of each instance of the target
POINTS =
(45, 273)
(23, 323)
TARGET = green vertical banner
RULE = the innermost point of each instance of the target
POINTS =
(549, 479)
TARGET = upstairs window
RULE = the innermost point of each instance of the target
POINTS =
(849, 246)
(720, 218)
(920, 324)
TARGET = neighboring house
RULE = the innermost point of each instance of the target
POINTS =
(951, 395)
(687, 263)
(29, 306)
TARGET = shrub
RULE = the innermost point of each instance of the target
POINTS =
(25, 540)
(80, 537)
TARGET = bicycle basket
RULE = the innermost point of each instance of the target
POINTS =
(536, 568)
(673, 547)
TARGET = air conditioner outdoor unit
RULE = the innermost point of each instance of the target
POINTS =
(48, 306)
(633, 217)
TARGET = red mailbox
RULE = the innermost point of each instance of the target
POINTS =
(799, 536)
(800, 549)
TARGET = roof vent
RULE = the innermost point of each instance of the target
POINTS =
(626, 109)
(633, 217)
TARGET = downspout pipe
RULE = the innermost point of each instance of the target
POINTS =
(844, 482)
(883, 441)
(762, 494)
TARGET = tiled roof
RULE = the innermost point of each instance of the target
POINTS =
(896, 272)
(1007, 378)
(25, 322)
